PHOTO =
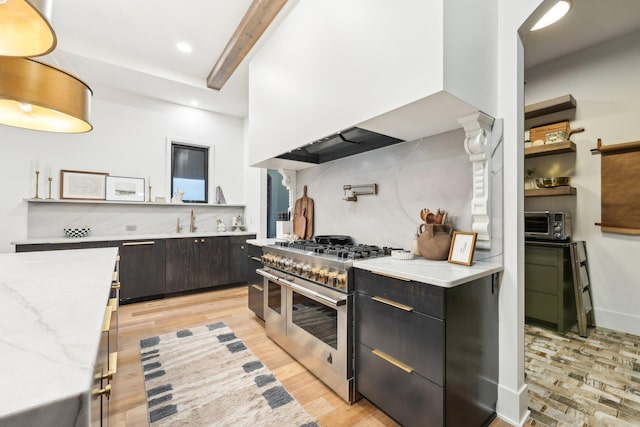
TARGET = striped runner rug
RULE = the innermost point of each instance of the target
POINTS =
(206, 376)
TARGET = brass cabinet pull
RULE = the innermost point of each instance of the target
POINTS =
(114, 276)
(201, 240)
(258, 287)
(113, 303)
(384, 356)
(255, 258)
(150, 242)
(242, 247)
(391, 276)
(106, 322)
(106, 391)
(195, 241)
(113, 366)
(392, 303)
(115, 285)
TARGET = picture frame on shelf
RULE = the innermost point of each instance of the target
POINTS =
(82, 185)
(463, 245)
(125, 189)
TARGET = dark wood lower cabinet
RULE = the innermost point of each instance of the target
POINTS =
(158, 267)
(204, 262)
(427, 355)
(141, 272)
(254, 281)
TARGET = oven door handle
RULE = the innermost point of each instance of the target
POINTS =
(313, 294)
(267, 275)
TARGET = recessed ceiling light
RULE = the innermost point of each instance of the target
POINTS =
(554, 14)
(184, 47)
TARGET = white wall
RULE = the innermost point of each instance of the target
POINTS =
(604, 82)
(128, 139)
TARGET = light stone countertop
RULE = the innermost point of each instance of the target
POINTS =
(439, 273)
(262, 242)
(60, 239)
(52, 307)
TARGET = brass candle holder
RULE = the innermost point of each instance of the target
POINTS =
(37, 184)
(50, 181)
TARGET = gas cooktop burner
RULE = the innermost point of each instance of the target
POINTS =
(344, 251)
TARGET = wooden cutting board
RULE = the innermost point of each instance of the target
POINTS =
(303, 217)
(300, 222)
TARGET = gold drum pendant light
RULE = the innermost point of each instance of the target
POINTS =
(36, 96)
(25, 29)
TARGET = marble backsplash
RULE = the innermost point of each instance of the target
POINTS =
(432, 173)
(48, 219)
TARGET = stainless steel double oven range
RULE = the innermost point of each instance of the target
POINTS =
(308, 304)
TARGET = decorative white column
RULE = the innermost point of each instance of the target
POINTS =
(477, 144)
(289, 182)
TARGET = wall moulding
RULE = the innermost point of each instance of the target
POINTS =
(478, 145)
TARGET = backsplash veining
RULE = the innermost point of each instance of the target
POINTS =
(433, 172)
(106, 219)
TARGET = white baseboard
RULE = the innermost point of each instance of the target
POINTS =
(513, 406)
(620, 322)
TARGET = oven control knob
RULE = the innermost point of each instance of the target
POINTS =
(331, 278)
(323, 275)
(305, 270)
(294, 267)
(340, 281)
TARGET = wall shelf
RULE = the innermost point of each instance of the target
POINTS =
(562, 103)
(549, 149)
(111, 202)
(564, 190)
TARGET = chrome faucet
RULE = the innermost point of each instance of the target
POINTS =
(192, 222)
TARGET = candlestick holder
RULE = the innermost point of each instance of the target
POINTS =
(37, 184)
(149, 194)
(50, 181)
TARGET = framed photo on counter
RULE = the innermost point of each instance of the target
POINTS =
(125, 189)
(463, 245)
(81, 185)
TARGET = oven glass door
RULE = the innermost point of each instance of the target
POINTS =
(315, 318)
(537, 225)
(275, 312)
(319, 321)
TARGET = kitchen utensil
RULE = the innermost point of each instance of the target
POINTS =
(434, 241)
(423, 214)
(300, 223)
(551, 182)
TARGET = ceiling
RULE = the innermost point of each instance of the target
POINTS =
(588, 23)
(131, 45)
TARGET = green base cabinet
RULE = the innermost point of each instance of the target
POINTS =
(549, 297)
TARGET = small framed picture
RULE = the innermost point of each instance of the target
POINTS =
(80, 185)
(462, 247)
(125, 189)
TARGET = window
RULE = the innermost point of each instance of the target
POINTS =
(190, 172)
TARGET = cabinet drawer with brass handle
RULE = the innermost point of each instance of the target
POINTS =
(403, 335)
(420, 297)
(147, 243)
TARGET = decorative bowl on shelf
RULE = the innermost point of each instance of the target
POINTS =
(77, 232)
(556, 181)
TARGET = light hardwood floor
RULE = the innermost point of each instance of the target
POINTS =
(147, 319)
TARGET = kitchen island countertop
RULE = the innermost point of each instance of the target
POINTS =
(439, 273)
(52, 306)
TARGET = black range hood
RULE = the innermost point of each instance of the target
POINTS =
(352, 141)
